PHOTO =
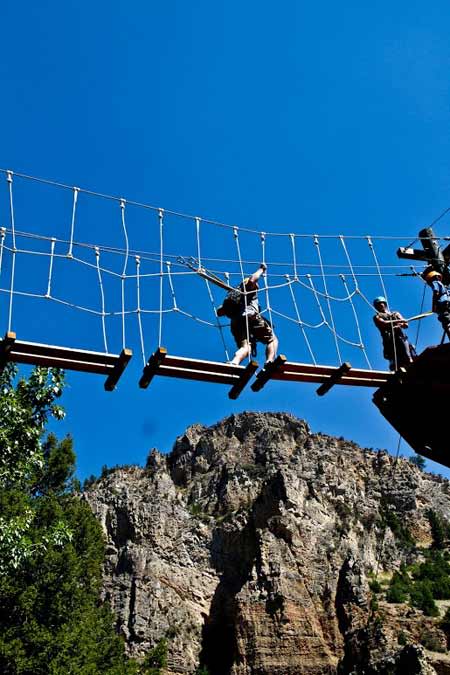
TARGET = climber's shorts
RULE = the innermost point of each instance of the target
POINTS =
(258, 327)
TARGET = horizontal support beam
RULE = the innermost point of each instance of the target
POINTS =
(52, 356)
(64, 352)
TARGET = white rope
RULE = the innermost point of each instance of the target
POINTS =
(102, 295)
(138, 309)
(355, 315)
(2, 246)
(171, 286)
(211, 297)
(197, 227)
(187, 216)
(9, 178)
(247, 328)
(301, 324)
(161, 272)
(316, 242)
(127, 248)
(72, 225)
(294, 255)
(266, 287)
(50, 270)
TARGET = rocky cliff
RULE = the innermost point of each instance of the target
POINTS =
(251, 546)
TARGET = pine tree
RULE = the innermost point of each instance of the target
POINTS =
(51, 546)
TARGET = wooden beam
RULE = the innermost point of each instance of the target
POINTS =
(267, 372)
(152, 366)
(333, 379)
(248, 373)
(122, 362)
(5, 349)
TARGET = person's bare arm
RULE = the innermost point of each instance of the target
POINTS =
(258, 274)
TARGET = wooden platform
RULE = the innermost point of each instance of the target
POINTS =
(161, 363)
(50, 356)
(327, 376)
(416, 403)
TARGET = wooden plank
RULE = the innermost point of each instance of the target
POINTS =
(318, 379)
(152, 367)
(291, 367)
(64, 352)
(122, 362)
(67, 364)
(267, 372)
(333, 379)
(199, 375)
(248, 373)
(200, 364)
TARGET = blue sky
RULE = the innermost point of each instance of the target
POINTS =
(306, 118)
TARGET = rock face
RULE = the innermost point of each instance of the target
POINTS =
(249, 549)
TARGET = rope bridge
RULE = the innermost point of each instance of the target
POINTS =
(104, 273)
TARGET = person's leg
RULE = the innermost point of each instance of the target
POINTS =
(271, 349)
(241, 354)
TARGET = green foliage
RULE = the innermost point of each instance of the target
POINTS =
(202, 670)
(421, 595)
(419, 461)
(375, 586)
(156, 659)
(51, 546)
(399, 586)
(440, 529)
(402, 638)
(389, 518)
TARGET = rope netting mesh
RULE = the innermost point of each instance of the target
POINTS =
(100, 272)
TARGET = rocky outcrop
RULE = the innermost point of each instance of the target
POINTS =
(249, 547)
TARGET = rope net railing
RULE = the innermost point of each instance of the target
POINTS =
(100, 272)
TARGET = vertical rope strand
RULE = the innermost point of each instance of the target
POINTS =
(102, 296)
(316, 242)
(50, 268)
(138, 308)
(294, 255)
(211, 297)
(266, 287)
(9, 178)
(355, 315)
(2, 246)
(247, 328)
(124, 270)
(300, 322)
(171, 286)
(72, 225)
(161, 273)
(197, 228)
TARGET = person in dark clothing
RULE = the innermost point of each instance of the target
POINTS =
(246, 311)
(396, 347)
(441, 297)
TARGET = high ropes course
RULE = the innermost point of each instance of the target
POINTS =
(106, 274)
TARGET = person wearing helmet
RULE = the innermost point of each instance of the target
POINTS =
(441, 297)
(396, 347)
(247, 320)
